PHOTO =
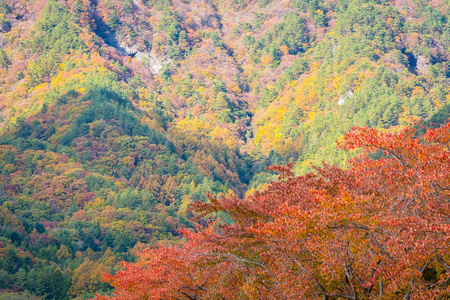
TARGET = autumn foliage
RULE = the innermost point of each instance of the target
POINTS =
(379, 229)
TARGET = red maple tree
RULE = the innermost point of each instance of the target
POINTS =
(377, 230)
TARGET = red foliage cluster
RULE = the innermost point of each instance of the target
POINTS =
(379, 229)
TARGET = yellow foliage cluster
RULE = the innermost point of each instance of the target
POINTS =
(193, 125)
(86, 277)
(223, 136)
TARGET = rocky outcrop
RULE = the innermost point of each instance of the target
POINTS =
(423, 64)
(125, 49)
(346, 96)
(154, 62)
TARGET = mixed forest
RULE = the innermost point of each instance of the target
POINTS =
(243, 143)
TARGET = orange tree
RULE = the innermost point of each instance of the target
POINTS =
(377, 230)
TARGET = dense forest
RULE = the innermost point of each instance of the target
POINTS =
(116, 116)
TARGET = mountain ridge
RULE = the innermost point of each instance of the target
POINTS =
(101, 154)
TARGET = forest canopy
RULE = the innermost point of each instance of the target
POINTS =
(116, 116)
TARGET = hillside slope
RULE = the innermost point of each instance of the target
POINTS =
(116, 115)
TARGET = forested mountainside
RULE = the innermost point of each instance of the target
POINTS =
(116, 115)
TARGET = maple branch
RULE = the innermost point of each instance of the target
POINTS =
(395, 156)
(243, 260)
(197, 287)
(440, 260)
(381, 288)
(317, 282)
(407, 296)
(189, 296)
(349, 273)
(361, 226)
(372, 237)
(437, 139)
(337, 296)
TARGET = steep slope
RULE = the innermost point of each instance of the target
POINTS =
(116, 115)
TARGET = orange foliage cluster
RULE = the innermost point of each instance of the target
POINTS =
(378, 229)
